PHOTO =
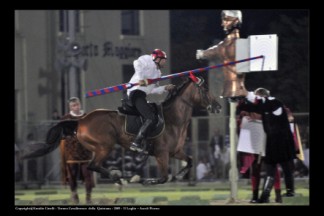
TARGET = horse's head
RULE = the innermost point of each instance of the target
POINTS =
(202, 96)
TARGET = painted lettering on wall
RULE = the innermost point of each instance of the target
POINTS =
(109, 50)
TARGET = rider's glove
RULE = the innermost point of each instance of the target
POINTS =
(143, 82)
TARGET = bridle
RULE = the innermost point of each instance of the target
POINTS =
(202, 90)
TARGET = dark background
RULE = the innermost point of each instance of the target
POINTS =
(199, 29)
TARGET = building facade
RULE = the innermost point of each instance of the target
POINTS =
(60, 53)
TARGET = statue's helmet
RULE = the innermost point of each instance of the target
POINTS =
(232, 13)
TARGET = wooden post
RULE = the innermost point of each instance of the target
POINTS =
(233, 176)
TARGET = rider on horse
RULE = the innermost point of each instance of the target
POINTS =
(146, 67)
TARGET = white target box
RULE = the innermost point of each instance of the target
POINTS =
(256, 45)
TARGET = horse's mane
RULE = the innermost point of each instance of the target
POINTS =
(176, 91)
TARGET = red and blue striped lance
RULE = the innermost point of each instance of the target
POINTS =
(125, 86)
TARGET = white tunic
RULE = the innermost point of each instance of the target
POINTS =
(145, 68)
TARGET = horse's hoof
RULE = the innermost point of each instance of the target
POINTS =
(120, 184)
(119, 187)
(135, 179)
(115, 174)
(146, 182)
(149, 182)
(172, 178)
(179, 178)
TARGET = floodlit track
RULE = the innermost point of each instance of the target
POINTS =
(204, 193)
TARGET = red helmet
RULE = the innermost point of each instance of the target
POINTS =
(157, 53)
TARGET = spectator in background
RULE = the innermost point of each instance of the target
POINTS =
(129, 166)
(74, 157)
(115, 160)
(251, 148)
(280, 146)
(300, 169)
(55, 115)
(306, 149)
(217, 148)
(17, 164)
(203, 170)
(32, 162)
(139, 165)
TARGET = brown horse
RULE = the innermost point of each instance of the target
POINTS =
(100, 130)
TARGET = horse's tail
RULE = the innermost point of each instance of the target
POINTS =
(53, 139)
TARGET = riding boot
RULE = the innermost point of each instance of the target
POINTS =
(136, 145)
(75, 197)
(266, 189)
(255, 196)
(278, 198)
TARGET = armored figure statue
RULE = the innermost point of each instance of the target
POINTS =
(225, 50)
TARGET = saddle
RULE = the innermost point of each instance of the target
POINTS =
(134, 120)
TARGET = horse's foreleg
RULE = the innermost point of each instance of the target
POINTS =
(96, 165)
(183, 156)
(162, 162)
(113, 174)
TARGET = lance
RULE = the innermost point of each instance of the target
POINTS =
(125, 86)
